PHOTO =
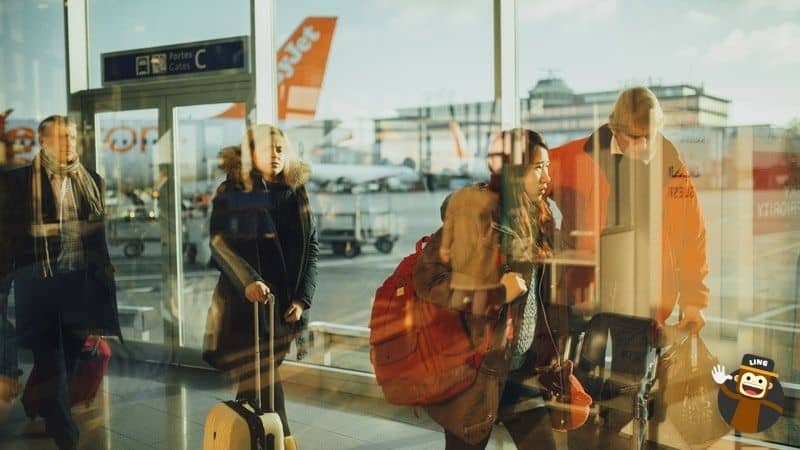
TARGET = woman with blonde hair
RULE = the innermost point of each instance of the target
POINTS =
(264, 242)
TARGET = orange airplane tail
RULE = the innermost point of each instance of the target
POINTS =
(301, 63)
(301, 68)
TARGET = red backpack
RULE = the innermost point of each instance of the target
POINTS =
(420, 351)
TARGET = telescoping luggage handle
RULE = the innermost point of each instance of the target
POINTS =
(271, 311)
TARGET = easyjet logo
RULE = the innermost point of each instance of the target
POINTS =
(294, 51)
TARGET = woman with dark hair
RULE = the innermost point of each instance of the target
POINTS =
(264, 242)
(486, 262)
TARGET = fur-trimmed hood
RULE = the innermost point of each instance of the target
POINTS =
(296, 172)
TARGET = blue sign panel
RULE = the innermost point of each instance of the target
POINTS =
(229, 55)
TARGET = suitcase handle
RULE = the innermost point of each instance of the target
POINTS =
(271, 317)
(271, 304)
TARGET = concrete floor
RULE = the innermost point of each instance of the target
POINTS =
(148, 406)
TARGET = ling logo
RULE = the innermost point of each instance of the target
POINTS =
(751, 398)
(294, 51)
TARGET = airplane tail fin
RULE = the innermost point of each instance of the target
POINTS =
(301, 63)
(301, 67)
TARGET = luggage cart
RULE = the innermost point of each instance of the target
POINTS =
(133, 231)
(348, 222)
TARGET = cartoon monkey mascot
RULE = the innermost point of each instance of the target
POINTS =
(752, 399)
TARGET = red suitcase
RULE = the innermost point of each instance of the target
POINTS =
(90, 369)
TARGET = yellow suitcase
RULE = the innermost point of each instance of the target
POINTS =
(240, 424)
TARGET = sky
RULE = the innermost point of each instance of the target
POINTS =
(389, 54)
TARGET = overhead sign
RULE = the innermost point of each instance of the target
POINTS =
(218, 56)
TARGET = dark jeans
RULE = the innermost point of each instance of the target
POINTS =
(530, 430)
(9, 365)
(50, 327)
(47, 304)
(246, 390)
(54, 358)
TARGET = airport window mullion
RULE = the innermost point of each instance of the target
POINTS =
(505, 60)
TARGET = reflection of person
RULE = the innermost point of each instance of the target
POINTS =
(264, 241)
(55, 252)
(630, 141)
(483, 263)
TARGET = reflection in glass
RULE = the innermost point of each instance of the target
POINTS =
(201, 132)
(129, 161)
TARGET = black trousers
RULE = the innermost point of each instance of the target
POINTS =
(246, 391)
(55, 339)
(530, 430)
(54, 359)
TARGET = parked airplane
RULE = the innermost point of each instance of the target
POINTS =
(362, 178)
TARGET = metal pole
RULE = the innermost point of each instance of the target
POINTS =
(262, 57)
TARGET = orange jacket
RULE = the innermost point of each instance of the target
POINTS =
(574, 188)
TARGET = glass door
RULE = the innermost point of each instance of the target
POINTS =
(201, 131)
(132, 154)
(158, 154)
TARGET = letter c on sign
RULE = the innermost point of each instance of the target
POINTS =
(197, 59)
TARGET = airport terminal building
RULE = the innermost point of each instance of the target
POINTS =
(550, 107)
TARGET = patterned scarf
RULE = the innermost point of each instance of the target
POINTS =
(84, 188)
(527, 329)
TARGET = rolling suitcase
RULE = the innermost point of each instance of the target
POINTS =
(240, 424)
(90, 369)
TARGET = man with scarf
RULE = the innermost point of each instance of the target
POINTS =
(54, 251)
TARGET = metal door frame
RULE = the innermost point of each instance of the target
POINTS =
(165, 96)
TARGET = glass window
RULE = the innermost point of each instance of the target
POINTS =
(203, 132)
(403, 116)
(117, 25)
(391, 103)
(32, 76)
(725, 83)
(136, 219)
